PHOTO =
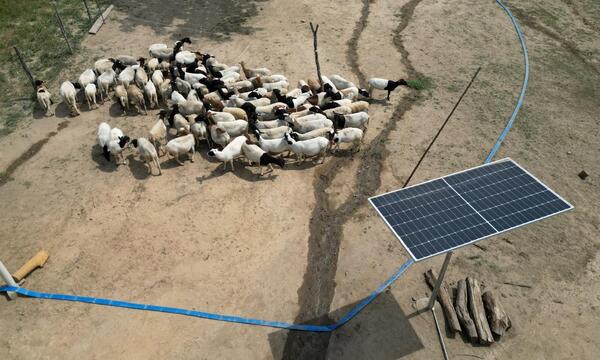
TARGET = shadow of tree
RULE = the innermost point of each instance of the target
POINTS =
(380, 331)
(197, 18)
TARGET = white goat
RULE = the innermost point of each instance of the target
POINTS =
(219, 136)
(150, 91)
(104, 82)
(356, 120)
(304, 127)
(121, 95)
(229, 152)
(272, 146)
(87, 77)
(341, 83)
(234, 128)
(127, 76)
(308, 148)
(274, 133)
(353, 136)
(68, 92)
(181, 145)
(90, 95)
(158, 135)
(147, 153)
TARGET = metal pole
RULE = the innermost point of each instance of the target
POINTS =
(100, 12)
(88, 10)
(442, 127)
(25, 67)
(62, 27)
(440, 336)
(439, 281)
(8, 279)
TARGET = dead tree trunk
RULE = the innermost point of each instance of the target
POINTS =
(497, 317)
(478, 313)
(445, 300)
(314, 32)
(462, 312)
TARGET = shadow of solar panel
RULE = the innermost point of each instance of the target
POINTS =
(446, 213)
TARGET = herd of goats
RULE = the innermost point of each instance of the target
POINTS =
(222, 105)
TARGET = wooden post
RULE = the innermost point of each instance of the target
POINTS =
(314, 32)
(87, 9)
(25, 67)
(445, 300)
(100, 12)
(62, 27)
(497, 317)
(462, 312)
(478, 313)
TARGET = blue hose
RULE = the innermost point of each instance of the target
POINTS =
(205, 315)
(513, 116)
(277, 324)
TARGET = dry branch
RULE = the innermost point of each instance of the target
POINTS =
(497, 317)
(445, 300)
(314, 32)
(462, 312)
(478, 313)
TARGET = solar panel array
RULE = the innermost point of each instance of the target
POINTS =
(459, 209)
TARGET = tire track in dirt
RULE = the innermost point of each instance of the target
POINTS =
(5, 176)
(326, 226)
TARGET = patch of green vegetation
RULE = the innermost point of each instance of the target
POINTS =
(423, 83)
(32, 27)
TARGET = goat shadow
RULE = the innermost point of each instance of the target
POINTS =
(101, 163)
(242, 170)
(62, 110)
(40, 113)
(116, 110)
(139, 169)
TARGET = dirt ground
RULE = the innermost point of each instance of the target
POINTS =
(302, 244)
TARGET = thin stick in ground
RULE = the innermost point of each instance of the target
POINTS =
(314, 32)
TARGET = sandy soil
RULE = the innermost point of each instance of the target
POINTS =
(302, 244)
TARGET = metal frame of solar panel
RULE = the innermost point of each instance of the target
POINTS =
(443, 214)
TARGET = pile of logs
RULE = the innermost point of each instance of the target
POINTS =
(478, 317)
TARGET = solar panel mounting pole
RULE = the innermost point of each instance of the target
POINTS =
(431, 304)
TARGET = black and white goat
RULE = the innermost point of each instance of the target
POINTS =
(384, 84)
(255, 154)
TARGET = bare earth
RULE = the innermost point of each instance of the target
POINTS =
(302, 244)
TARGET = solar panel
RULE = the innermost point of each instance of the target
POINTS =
(459, 209)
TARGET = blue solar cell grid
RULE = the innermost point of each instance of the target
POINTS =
(446, 213)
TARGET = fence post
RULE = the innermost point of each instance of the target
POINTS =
(88, 10)
(62, 27)
(24, 66)
(100, 12)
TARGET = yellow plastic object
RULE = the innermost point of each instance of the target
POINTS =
(37, 261)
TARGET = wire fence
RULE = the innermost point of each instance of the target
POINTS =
(40, 36)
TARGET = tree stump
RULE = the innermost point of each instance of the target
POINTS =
(497, 317)
(462, 312)
(445, 300)
(478, 313)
